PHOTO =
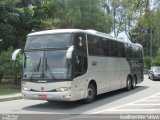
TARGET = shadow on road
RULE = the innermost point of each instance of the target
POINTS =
(78, 107)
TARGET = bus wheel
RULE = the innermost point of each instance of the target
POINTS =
(134, 82)
(91, 93)
(129, 83)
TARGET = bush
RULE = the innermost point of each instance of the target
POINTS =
(147, 61)
(156, 61)
(6, 68)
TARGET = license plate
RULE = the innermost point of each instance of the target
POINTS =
(41, 96)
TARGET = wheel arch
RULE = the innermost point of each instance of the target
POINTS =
(129, 75)
(93, 82)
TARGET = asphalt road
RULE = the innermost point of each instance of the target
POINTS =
(144, 99)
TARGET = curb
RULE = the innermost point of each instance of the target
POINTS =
(10, 97)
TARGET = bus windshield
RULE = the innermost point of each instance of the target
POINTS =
(46, 65)
(48, 41)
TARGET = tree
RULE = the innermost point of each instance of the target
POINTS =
(126, 14)
(20, 17)
(8, 16)
(156, 61)
(83, 14)
(94, 16)
(147, 29)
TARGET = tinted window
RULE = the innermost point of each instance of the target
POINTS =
(101, 47)
(140, 53)
(49, 41)
(129, 51)
(80, 42)
(121, 50)
(114, 48)
(93, 45)
(106, 45)
(135, 52)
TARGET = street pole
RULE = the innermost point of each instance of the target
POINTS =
(151, 47)
(151, 36)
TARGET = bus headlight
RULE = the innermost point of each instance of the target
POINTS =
(63, 89)
(26, 89)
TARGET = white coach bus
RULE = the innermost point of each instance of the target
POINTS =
(74, 64)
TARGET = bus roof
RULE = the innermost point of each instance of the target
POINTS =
(56, 31)
(59, 31)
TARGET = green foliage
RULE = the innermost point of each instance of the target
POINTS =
(83, 14)
(6, 63)
(156, 61)
(8, 17)
(147, 28)
(9, 89)
(94, 17)
(147, 61)
(20, 17)
(151, 61)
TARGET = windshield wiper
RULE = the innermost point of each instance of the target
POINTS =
(39, 65)
(37, 69)
(48, 68)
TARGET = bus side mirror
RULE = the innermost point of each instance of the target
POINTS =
(14, 57)
(69, 55)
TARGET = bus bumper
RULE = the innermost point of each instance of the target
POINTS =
(57, 96)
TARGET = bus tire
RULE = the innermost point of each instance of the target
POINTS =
(128, 83)
(134, 81)
(91, 94)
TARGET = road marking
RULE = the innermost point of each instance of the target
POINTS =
(131, 103)
(157, 96)
(151, 100)
(135, 110)
(143, 104)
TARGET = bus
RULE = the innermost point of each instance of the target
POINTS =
(76, 64)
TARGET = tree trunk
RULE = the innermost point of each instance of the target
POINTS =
(15, 80)
(1, 76)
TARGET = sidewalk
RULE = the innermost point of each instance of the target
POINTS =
(10, 97)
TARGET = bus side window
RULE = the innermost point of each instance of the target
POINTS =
(129, 51)
(106, 44)
(80, 65)
(114, 48)
(140, 53)
(78, 62)
(93, 45)
(80, 43)
(80, 55)
(121, 49)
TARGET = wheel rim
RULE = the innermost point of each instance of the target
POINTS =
(90, 93)
(129, 84)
